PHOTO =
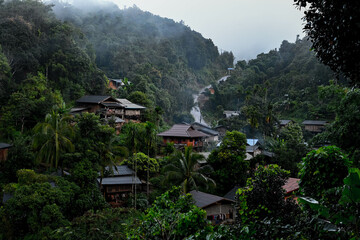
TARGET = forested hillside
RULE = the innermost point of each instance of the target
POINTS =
(74, 53)
(164, 59)
(281, 84)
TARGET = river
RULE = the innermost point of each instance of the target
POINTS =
(195, 111)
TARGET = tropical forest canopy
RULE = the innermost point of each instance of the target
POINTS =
(54, 169)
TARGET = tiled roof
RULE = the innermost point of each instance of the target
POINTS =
(313, 122)
(5, 145)
(182, 130)
(205, 199)
(93, 99)
(292, 184)
(129, 105)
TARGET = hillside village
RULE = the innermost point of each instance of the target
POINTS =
(98, 139)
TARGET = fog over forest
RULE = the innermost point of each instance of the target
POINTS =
(246, 28)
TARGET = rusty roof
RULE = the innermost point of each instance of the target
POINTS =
(292, 184)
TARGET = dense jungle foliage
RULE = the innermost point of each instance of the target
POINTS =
(288, 83)
(52, 179)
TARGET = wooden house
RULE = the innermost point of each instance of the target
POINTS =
(117, 186)
(285, 123)
(132, 111)
(4, 149)
(229, 114)
(115, 83)
(314, 126)
(218, 209)
(184, 135)
(103, 105)
(221, 130)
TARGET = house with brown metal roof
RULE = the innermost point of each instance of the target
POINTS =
(314, 126)
(218, 209)
(132, 111)
(119, 183)
(184, 135)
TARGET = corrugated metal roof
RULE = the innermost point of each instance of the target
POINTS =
(251, 149)
(120, 180)
(77, 109)
(121, 170)
(182, 130)
(252, 142)
(231, 194)
(209, 131)
(129, 105)
(93, 99)
(313, 122)
(113, 105)
(205, 199)
(5, 145)
(284, 122)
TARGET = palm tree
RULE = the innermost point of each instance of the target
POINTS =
(150, 139)
(53, 137)
(187, 170)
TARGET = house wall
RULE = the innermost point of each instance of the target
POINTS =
(3, 154)
(216, 209)
(314, 128)
(132, 112)
(212, 139)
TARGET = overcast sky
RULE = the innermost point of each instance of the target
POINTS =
(245, 27)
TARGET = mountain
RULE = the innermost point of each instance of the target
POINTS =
(76, 48)
(283, 83)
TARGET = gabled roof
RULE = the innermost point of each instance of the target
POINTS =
(94, 99)
(203, 200)
(313, 122)
(251, 149)
(182, 130)
(112, 104)
(284, 122)
(232, 193)
(5, 145)
(121, 170)
(201, 125)
(252, 142)
(204, 128)
(120, 180)
(209, 131)
(292, 184)
(129, 105)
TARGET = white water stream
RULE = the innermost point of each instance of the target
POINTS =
(195, 111)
